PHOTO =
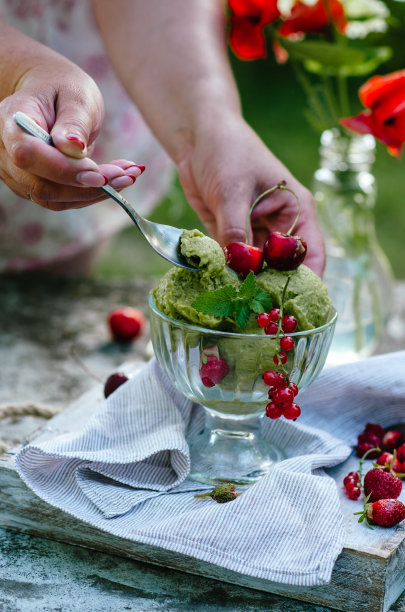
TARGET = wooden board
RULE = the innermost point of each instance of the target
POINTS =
(368, 575)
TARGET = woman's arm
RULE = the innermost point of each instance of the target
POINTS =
(171, 57)
(64, 101)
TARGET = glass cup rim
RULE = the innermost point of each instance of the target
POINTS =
(206, 330)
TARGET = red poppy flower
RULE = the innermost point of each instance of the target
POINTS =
(385, 119)
(304, 18)
(248, 19)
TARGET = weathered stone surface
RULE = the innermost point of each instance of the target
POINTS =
(39, 323)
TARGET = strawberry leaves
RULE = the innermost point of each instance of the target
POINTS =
(237, 305)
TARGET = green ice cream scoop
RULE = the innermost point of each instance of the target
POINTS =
(306, 297)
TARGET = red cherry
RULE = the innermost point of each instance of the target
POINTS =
(126, 323)
(363, 447)
(374, 428)
(369, 437)
(283, 252)
(283, 397)
(114, 381)
(271, 329)
(263, 319)
(283, 358)
(287, 343)
(243, 258)
(288, 324)
(273, 411)
(274, 314)
(292, 412)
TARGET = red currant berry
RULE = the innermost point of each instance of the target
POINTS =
(274, 379)
(350, 483)
(288, 324)
(274, 314)
(273, 411)
(354, 493)
(283, 397)
(271, 329)
(283, 358)
(270, 377)
(351, 475)
(292, 411)
(287, 343)
(294, 388)
(263, 319)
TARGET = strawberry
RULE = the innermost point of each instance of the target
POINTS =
(213, 367)
(389, 462)
(401, 453)
(385, 512)
(379, 484)
(392, 439)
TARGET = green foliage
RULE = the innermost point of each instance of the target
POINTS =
(237, 305)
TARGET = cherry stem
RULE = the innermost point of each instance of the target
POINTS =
(281, 185)
(360, 470)
(299, 209)
(283, 369)
(259, 199)
(83, 365)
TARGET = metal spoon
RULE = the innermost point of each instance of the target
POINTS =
(164, 239)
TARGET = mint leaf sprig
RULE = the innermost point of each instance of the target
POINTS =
(237, 305)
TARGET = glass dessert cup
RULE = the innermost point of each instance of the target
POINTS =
(230, 447)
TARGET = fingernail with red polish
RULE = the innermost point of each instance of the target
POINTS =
(91, 179)
(120, 182)
(140, 166)
(76, 139)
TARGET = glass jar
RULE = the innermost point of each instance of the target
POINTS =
(357, 273)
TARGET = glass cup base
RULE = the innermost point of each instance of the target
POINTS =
(233, 452)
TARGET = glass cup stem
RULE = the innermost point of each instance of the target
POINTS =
(231, 450)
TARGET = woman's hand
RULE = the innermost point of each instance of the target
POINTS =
(67, 103)
(225, 169)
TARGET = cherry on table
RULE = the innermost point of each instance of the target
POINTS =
(126, 323)
(114, 381)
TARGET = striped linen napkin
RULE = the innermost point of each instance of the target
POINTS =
(126, 473)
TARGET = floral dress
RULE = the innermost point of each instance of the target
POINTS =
(32, 237)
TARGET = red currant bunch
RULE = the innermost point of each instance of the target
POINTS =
(274, 323)
(351, 484)
(282, 393)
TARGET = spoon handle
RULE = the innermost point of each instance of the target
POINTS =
(28, 125)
